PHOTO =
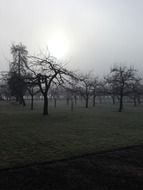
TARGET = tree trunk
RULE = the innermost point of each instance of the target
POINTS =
(45, 108)
(86, 101)
(17, 98)
(22, 101)
(72, 104)
(113, 99)
(135, 102)
(139, 100)
(94, 96)
(121, 102)
(32, 100)
(55, 102)
(75, 99)
(118, 99)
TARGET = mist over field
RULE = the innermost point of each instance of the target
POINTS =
(71, 94)
(89, 34)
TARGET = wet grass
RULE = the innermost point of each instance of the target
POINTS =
(27, 137)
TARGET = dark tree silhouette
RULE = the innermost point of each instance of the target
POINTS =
(136, 90)
(17, 86)
(85, 87)
(47, 71)
(17, 72)
(94, 88)
(121, 78)
(54, 93)
(32, 88)
(4, 89)
(72, 92)
(19, 53)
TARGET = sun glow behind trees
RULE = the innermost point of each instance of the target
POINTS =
(59, 44)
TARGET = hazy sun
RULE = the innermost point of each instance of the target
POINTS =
(58, 45)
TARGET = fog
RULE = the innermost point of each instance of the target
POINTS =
(89, 34)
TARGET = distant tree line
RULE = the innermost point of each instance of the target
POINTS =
(46, 76)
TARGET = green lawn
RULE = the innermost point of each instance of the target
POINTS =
(27, 136)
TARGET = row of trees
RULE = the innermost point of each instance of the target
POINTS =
(45, 75)
(121, 82)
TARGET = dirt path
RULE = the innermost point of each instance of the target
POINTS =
(119, 169)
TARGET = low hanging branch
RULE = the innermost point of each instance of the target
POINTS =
(46, 71)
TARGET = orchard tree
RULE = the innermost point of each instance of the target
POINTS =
(47, 71)
(136, 90)
(4, 89)
(72, 92)
(32, 88)
(94, 88)
(85, 87)
(121, 78)
(54, 93)
(110, 89)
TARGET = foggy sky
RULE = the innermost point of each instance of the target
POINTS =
(100, 33)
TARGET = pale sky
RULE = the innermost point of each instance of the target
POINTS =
(89, 34)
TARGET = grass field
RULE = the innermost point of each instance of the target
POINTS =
(27, 137)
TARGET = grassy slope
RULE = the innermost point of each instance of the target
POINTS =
(27, 136)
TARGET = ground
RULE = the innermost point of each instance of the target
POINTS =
(61, 151)
(121, 169)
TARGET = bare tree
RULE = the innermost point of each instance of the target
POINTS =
(47, 71)
(4, 89)
(110, 88)
(136, 90)
(121, 78)
(71, 92)
(32, 88)
(85, 87)
(54, 93)
(94, 88)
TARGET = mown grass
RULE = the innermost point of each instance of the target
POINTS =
(27, 137)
